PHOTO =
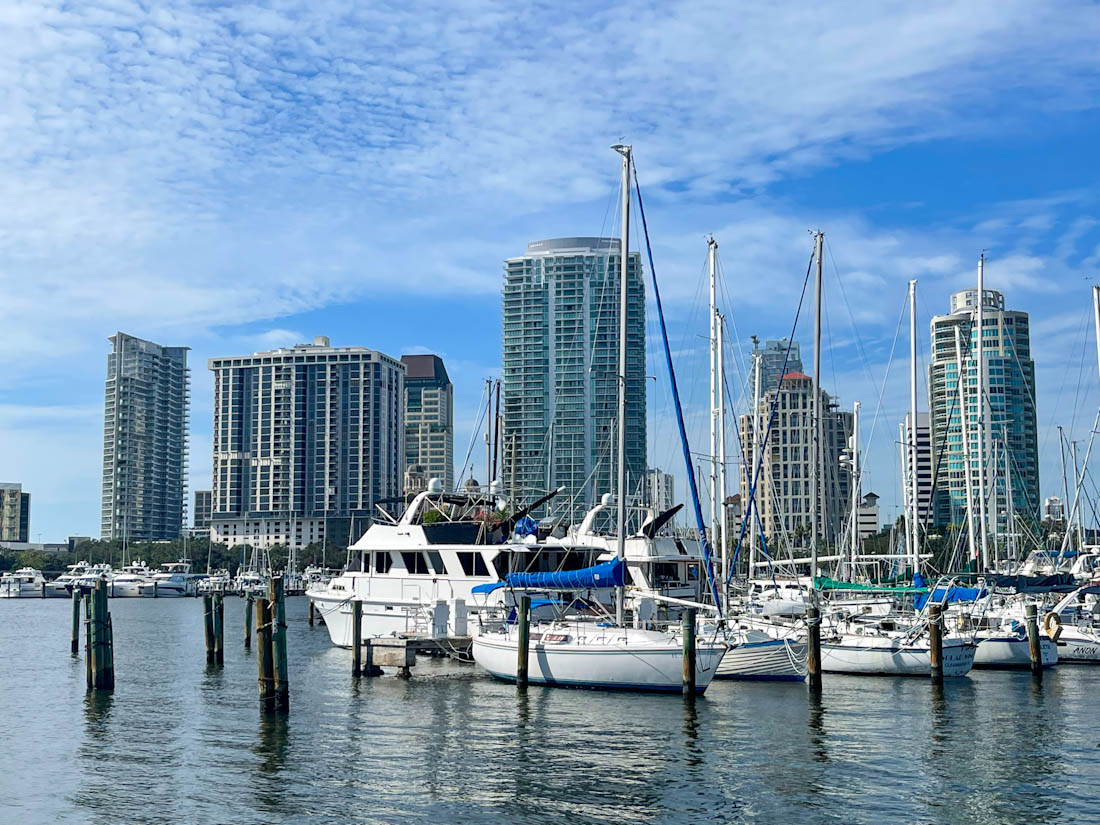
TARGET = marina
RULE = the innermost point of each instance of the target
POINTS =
(452, 744)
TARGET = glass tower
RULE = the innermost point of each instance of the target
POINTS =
(560, 356)
(1010, 390)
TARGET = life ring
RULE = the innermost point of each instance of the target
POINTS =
(1052, 626)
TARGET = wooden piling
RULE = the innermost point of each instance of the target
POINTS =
(935, 642)
(75, 643)
(813, 649)
(311, 608)
(208, 626)
(248, 621)
(523, 649)
(282, 678)
(1031, 613)
(219, 629)
(88, 639)
(101, 647)
(264, 663)
(687, 630)
(356, 637)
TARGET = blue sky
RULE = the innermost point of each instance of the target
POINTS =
(233, 176)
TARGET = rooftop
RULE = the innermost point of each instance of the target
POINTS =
(425, 366)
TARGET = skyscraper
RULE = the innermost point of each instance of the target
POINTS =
(145, 431)
(560, 362)
(924, 465)
(784, 495)
(305, 439)
(15, 513)
(772, 356)
(661, 489)
(1010, 405)
(429, 418)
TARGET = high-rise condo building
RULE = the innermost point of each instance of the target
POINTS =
(145, 431)
(15, 513)
(306, 438)
(661, 492)
(429, 418)
(772, 357)
(560, 363)
(784, 495)
(924, 465)
(1010, 420)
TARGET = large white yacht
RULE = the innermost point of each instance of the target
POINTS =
(26, 582)
(417, 572)
(62, 586)
(172, 580)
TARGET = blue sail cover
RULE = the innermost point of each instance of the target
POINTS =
(954, 594)
(609, 574)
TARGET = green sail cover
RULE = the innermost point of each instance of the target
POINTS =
(826, 583)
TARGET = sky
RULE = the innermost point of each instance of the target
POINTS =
(239, 176)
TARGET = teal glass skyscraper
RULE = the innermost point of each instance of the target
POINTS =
(1010, 412)
(560, 356)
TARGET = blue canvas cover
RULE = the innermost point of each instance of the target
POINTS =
(954, 594)
(609, 574)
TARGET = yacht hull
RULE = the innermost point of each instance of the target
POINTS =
(1012, 652)
(601, 658)
(874, 656)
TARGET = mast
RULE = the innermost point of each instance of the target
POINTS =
(964, 424)
(903, 441)
(914, 525)
(1065, 483)
(1079, 481)
(816, 502)
(1010, 509)
(722, 526)
(982, 419)
(857, 484)
(488, 431)
(712, 248)
(620, 550)
(750, 505)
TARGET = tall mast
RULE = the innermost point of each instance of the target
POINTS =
(914, 524)
(1065, 483)
(983, 420)
(712, 248)
(816, 502)
(488, 431)
(964, 424)
(1079, 481)
(722, 527)
(620, 550)
(857, 484)
(903, 450)
(1010, 508)
(750, 505)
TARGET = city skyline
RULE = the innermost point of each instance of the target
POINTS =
(153, 187)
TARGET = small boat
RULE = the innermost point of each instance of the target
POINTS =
(217, 582)
(24, 583)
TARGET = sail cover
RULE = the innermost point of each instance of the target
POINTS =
(609, 574)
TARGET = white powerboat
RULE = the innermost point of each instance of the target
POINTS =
(24, 583)
(62, 586)
(126, 583)
(217, 582)
(173, 580)
(92, 574)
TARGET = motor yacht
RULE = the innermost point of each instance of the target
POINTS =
(26, 582)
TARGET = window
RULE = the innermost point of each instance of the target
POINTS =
(382, 562)
(415, 563)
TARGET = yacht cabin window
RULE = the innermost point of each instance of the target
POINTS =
(415, 563)
(382, 562)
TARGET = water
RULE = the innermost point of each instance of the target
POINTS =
(178, 742)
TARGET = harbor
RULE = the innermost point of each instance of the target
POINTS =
(451, 744)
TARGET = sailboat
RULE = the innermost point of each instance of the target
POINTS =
(599, 651)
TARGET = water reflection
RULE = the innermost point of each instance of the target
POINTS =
(816, 724)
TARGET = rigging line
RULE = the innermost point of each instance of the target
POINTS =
(1077, 391)
(1065, 374)
(774, 406)
(707, 555)
(470, 448)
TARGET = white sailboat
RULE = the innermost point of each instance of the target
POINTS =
(601, 653)
(1073, 625)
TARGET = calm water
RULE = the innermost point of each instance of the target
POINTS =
(178, 743)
